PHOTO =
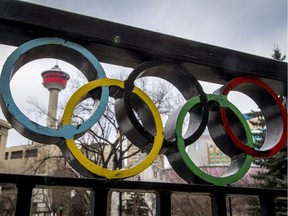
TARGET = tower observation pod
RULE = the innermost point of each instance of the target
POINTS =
(54, 80)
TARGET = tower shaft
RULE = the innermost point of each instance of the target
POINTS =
(52, 108)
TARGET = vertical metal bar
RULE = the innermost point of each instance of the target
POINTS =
(230, 206)
(267, 205)
(24, 197)
(163, 203)
(101, 195)
(120, 203)
(218, 203)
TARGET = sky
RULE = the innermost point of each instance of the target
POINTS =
(250, 26)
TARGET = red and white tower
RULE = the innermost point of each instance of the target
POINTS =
(54, 80)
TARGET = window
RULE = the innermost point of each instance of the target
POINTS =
(6, 155)
(16, 154)
(31, 153)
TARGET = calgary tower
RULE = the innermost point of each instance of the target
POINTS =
(54, 80)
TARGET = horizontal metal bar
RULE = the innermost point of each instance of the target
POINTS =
(122, 185)
(128, 46)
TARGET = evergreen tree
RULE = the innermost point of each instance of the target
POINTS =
(277, 55)
(274, 169)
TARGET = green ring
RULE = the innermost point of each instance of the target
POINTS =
(221, 180)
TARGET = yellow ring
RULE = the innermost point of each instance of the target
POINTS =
(94, 168)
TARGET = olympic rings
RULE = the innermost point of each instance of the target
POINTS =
(85, 162)
(227, 127)
(45, 48)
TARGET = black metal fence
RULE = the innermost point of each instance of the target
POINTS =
(163, 192)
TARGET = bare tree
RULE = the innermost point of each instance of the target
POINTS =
(104, 143)
(7, 200)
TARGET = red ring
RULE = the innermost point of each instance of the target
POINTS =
(248, 150)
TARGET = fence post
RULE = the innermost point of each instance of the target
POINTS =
(267, 205)
(100, 201)
(218, 204)
(163, 203)
(24, 197)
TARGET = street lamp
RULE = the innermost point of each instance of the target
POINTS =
(61, 209)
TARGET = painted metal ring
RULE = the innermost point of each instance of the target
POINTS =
(84, 164)
(240, 162)
(58, 48)
(272, 109)
(189, 87)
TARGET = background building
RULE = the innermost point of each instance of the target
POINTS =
(4, 128)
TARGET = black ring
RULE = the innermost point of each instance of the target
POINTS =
(184, 81)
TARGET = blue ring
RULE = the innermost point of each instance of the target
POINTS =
(33, 50)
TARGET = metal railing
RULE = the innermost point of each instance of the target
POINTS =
(163, 192)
